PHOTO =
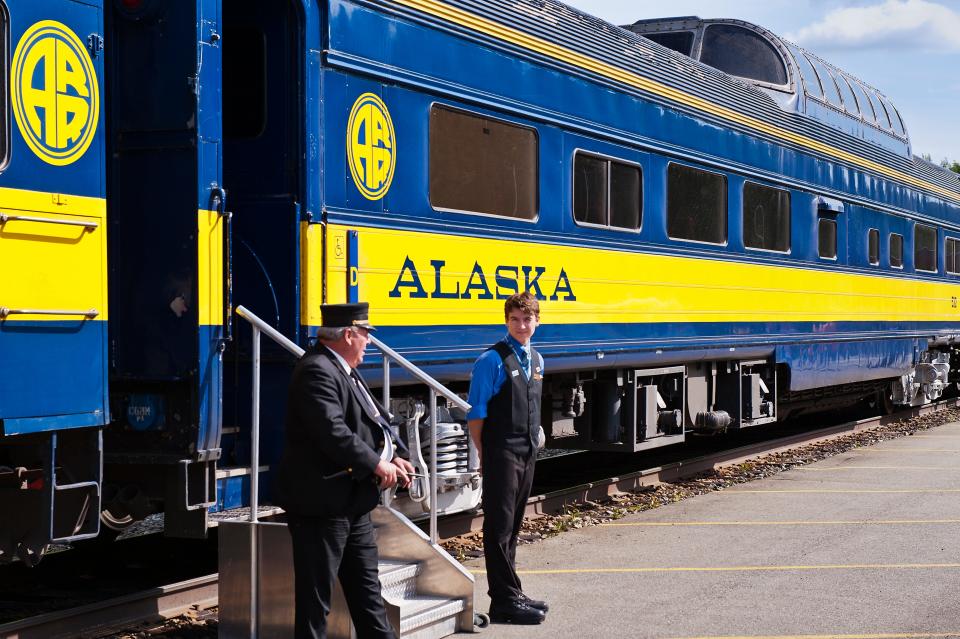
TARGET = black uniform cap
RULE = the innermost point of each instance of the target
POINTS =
(341, 315)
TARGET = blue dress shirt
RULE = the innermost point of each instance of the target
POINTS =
(489, 374)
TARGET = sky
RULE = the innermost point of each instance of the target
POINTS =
(908, 49)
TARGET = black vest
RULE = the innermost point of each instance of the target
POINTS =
(513, 414)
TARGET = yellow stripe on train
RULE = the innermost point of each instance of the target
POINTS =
(53, 256)
(209, 268)
(412, 278)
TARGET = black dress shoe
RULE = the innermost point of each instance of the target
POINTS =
(542, 606)
(516, 612)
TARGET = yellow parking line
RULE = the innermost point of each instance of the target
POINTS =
(817, 491)
(830, 468)
(838, 522)
(905, 450)
(664, 569)
(878, 635)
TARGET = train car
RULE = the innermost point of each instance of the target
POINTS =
(717, 242)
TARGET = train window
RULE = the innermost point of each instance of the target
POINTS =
(766, 217)
(696, 205)
(952, 255)
(480, 165)
(827, 238)
(626, 195)
(896, 250)
(590, 189)
(606, 192)
(925, 248)
(849, 101)
(873, 246)
(743, 53)
(866, 107)
(811, 82)
(830, 90)
(679, 41)
(244, 82)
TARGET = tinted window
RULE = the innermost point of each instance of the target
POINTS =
(743, 53)
(590, 189)
(866, 108)
(830, 90)
(896, 250)
(924, 248)
(854, 107)
(894, 116)
(849, 102)
(873, 246)
(481, 165)
(827, 238)
(681, 41)
(625, 195)
(766, 217)
(606, 192)
(696, 205)
(810, 80)
(953, 256)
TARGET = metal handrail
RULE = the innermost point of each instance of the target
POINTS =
(4, 218)
(259, 326)
(5, 311)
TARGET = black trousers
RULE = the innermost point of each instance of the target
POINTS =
(507, 479)
(327, 547)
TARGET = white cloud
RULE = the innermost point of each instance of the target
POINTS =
(894, 24)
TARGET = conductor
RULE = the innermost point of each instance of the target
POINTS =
(329, 473)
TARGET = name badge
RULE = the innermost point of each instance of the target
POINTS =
(515, 373)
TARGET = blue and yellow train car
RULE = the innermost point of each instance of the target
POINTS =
(716, 241)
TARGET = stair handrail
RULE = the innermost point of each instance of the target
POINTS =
(389, 355)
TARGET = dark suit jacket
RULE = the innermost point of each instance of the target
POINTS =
(328, 431)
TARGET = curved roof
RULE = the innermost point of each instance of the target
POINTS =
(803, 82)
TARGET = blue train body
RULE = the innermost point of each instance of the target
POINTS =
(710, 251)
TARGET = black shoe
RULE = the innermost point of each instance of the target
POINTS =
(542, 606)
(516, 612)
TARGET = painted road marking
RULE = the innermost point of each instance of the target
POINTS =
(838, 522)
(674, 569)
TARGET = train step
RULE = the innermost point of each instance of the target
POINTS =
(419, 617)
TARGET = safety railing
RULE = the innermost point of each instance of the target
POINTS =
(389, 356)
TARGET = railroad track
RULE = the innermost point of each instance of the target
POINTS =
(114, 615)
(198, 594)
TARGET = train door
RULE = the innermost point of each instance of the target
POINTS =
(263, 164)
(53, 284)
(166, 253)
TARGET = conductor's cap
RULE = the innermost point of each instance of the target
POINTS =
(343, 315)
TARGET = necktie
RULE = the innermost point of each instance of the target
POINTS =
(525, 362)
(367, 399)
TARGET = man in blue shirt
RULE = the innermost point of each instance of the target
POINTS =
(504, 421)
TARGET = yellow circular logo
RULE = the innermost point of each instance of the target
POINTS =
(56, 99)
(371, 146)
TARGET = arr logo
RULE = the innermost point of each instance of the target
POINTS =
(54, 91)
(371, 146)
(507, 280)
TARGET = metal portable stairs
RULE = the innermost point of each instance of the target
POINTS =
(428, 594)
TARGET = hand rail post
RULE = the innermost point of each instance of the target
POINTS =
(434, 537)
(254, 483)
(386, 381)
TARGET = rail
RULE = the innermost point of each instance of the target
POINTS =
(389, 355)
(4, 218)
